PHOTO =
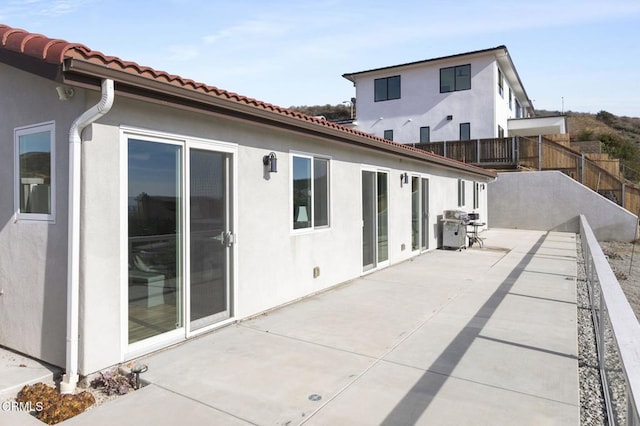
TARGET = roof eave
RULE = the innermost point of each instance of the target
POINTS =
(31, 65)
(351, 76)
(508, 62)
(198, 99)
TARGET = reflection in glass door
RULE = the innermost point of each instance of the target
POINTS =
(425, 214)
(210, 237)
(415, 213)
(368, 220)
(419, 213)
(383, 218)
(155, 240)
(375, 203)
(179, 204)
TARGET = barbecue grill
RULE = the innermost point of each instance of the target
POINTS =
(454, 229)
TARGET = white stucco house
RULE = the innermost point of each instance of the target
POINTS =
(474, 95)
(142, 208)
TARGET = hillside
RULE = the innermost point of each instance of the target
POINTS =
(620, 136)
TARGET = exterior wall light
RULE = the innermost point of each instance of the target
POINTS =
(404, 179)
(449, 117)
(271, 161)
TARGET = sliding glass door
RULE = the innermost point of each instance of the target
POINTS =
(179, 237)
(209, 235)
(155, 210)
(419, 213)
(375, 233)
(424, 229)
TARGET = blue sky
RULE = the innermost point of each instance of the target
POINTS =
(295, 52)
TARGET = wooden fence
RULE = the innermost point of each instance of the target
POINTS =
(539, 153)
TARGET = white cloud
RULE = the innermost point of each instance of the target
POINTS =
(182, 53)
(40, 8)
(253, 30)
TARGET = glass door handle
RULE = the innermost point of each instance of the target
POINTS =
(226, 238)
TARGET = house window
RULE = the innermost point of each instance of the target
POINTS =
(500, 83)
(518, 110)
(387, 88)
(457, 78)
(461, 193)
(465, 131)
(476, 195)
(510, 99)
(310, 191)
(388, 135)
(425, 134)
(35, 171)
(500, 131)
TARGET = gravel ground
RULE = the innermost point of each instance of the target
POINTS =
(624, 259)
(592, 405)
(625, 263)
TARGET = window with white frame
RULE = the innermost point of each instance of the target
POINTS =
(476, 195)
(35, 171)
(500, 83)
(461, 193)
(310, 191)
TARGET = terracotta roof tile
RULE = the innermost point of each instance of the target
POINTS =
(54, 51)
(35, 45)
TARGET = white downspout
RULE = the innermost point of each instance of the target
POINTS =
(70, 379)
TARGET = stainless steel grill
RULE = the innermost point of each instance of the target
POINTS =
(454, 229)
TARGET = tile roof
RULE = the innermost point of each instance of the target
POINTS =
(55, 51)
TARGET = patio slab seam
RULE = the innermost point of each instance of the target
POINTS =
(197, 401)
(377, 360)
(477, 382)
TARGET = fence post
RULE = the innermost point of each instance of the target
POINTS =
(478, 150)
(582, 170)
(444, 149)
(539, 152)
(624, 190)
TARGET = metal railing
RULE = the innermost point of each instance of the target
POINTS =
(617, 334)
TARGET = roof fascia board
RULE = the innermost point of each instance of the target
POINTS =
(506, 63)
(30, 64)
(350, 76)
(143, 88)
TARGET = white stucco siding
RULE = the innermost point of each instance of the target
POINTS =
(100, 307)
(273, 264)
(421, 103)
(33, 254)
(502, 110)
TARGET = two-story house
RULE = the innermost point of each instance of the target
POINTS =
(472, 95)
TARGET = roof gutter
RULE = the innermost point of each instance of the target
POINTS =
(70, 379)
(204, 101)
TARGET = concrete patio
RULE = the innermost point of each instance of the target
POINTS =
(480, 336)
